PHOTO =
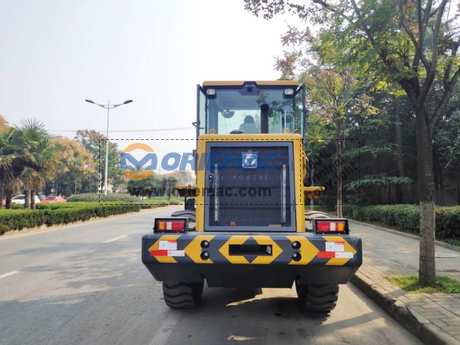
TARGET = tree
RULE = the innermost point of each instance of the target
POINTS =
(413, 45)
(168, 182)
(3, 125)
(380, 144)
(4, 160)
(145, 187)
(337, 97)
(118, 179)
(9, 153)
(447, 147)
(75, 165)
(38, 158)
(95, 143)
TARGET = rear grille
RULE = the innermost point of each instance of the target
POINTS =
(243, 197)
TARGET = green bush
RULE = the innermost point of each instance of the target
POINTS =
(20, 219)
(160, 201)
(84, 207)
(103, 198)
(448, 222)
(407, 218)
(62, 205)
(61, 213)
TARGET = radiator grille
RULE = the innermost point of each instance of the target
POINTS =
(242, 198)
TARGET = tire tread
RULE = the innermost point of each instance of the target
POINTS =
(318, 298)
(181, 295)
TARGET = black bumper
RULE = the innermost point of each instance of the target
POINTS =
(252, 260)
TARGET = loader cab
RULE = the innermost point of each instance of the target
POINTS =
(251, 107)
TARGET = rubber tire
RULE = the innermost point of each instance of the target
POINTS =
(318, 298)
(179, 295)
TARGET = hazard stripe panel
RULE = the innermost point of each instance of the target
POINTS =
(347, 248)
(193, 250)
(276, 250)
(225, 250)
(294, 249)
(155, 249)
(307, 250)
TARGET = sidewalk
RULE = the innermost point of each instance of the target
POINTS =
(434, 318)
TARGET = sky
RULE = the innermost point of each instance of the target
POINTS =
(54, 54)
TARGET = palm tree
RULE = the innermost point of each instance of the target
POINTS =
(38, 156)
(10, 151)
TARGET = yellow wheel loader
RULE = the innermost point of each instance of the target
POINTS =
(244, 222)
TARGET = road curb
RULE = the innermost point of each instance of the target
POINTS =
(421, 327)
(405, 234)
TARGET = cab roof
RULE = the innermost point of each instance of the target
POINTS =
(258, 82)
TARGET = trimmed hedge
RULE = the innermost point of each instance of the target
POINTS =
(407, 218)
(160, 201)
(63, 205)
(20, 219)
(117, 198)
(103, 198)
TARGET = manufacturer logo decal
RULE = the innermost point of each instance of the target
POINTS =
(249, 160)
(138, 172)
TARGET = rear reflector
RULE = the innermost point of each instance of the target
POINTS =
(331, 226)
(170, 224)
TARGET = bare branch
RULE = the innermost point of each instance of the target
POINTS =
(422, 23)
(431, 72)
(436, 33)
(426, 12)
(434, 12)
(418, 45)
(448, 69)
(406, 86)
(322, 3)
(404, 25)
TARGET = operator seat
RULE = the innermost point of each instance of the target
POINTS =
(248, 125)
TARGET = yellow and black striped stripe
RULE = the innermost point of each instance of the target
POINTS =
(282, 249)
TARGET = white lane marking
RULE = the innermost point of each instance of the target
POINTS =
(37, 232)
(115, 239)
(164, 332)
(8, 274)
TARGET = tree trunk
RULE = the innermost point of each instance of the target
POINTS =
(338, 163)
(8, 197)
(458, 190)
(427, 267)
(399, 155)
(32, 199)
(2, 193)
(438, 180)
(312, 174)
(27, 199)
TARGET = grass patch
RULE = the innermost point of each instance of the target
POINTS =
(412, 285)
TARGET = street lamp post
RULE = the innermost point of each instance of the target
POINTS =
(107, 106)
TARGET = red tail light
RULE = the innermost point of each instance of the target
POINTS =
(170, 224)
(339, 226)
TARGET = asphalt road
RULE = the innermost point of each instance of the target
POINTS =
(85, 284)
